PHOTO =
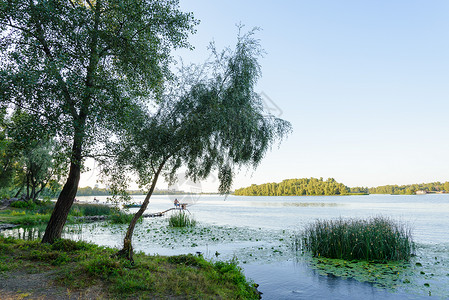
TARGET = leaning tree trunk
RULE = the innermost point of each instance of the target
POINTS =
(66, 198)
(18, 192)
(127, 250)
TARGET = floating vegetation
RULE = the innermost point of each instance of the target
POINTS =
(380, 274)
(376, 238)
(425, 274)
(181, 219)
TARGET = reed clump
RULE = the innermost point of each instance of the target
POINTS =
(181, 219)
(373, 239)
(122, 218)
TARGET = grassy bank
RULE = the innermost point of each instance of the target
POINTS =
(37, 214)
(87, 271)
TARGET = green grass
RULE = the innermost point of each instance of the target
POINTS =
(26, 213)
(24, 204)
(377, 238)
(92, 210)
(181, 219)
(23, 217)
(80, 266)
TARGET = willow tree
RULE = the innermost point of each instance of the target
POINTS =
(78, 64)
(214, 122)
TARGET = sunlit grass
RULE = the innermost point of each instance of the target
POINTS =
(23, 217)
(377, 238)
(39, 213)
(83, 266)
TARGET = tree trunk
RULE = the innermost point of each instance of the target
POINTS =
(127, 251)
(28, 187)
(18, 192)
(65, 199)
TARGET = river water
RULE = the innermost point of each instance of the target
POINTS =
(259, 233)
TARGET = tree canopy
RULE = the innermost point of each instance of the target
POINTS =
(296, 187)
(32, 160)
(77, 64)
(410, 189)
(214, 122)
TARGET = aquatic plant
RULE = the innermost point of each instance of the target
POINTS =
(181, 219)
(92, 210)
(121, 218)
(376, 238)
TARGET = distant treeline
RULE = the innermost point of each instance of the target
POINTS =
(296, 187)
(408, 189)
(96, 191)
(329, 187)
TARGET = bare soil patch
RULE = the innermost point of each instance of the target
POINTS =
(23, 285)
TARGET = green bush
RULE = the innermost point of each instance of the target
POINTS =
(24, 204)
(45, 207)
(187, 260)
(181, 219)
(377, 238)
(69, 245)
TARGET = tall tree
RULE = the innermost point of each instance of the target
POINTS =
(78, 64)
(214, 122)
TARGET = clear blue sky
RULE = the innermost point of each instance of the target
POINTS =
(365, 85)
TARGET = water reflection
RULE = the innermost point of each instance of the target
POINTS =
(292, 280)
(74, 232)
(25, 233)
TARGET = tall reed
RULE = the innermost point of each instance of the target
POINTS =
(376, 238)
(181, 219)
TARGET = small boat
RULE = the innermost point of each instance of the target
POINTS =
(131, 205)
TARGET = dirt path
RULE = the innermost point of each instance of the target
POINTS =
(22, 285)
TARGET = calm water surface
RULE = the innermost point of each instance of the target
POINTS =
(258, 232)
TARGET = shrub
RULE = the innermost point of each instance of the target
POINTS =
(70, 245)
(24, 204)
(181, 219)
(187, 260)
(17, 213)
(377, 238)
(122, 218)
(45, 207)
